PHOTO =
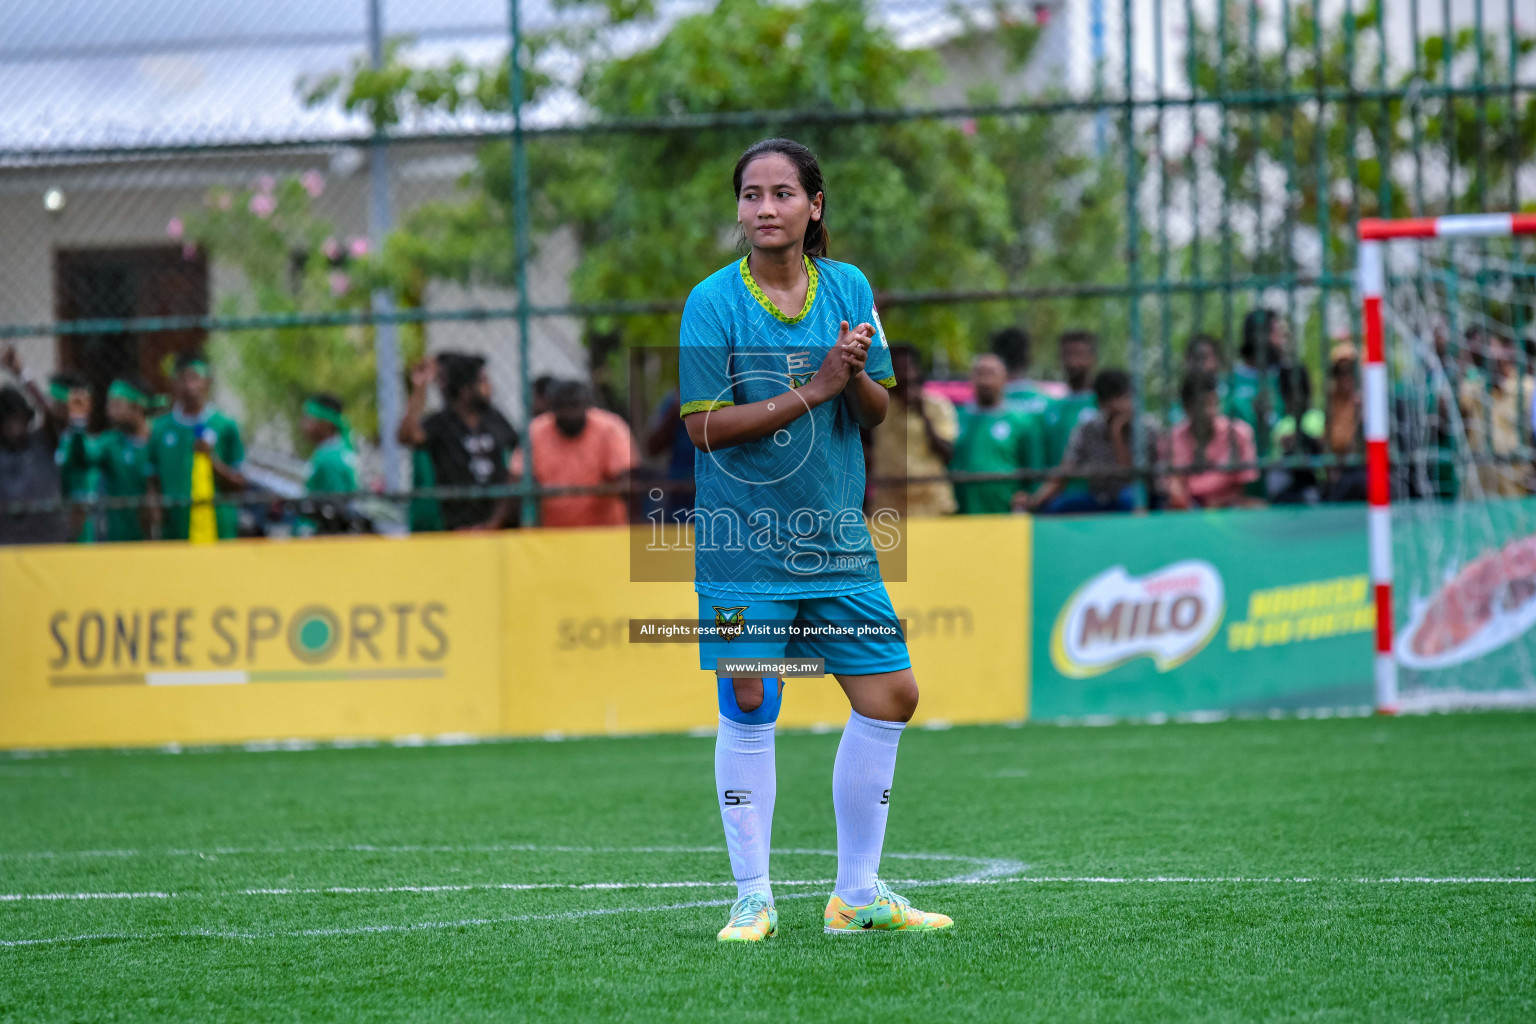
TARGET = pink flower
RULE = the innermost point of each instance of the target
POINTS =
(358, 247)
(262, 204)
(332, 249)
(189, 251)
(313, 182)
(1042, 15)
(266, 183)
(225, 201)
(968, 126)
(340, 283)
(174, 229)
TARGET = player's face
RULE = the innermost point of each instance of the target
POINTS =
(122, 413)
(1077, 359)
(1204, 360)
(1280, 337)
(773, 209)
(988, 378)
(194, 387)
(13, 431)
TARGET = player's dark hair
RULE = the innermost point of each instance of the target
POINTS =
(13, 404)
(816, 236)
(562, 391)
(1199, 342)
(1110, 383)
(460, 372)
(1256, 327)
(186, 359)
(328, 400)
(1195, 387)
(1078, 336)
(1295, 385)
(67, 381)
(542, 386)
(1012, 346)
(910, 352)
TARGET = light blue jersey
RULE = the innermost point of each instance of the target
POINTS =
(782, 516)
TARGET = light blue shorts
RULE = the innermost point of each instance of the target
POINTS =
(869, 611)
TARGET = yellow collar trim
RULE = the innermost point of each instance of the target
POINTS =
(767, 303)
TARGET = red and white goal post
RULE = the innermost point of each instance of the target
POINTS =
(1373, 235)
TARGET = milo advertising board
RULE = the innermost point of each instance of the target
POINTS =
(1180, 612)
(1466, 602)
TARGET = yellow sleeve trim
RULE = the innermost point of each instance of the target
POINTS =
(887, 382)
(689, 408)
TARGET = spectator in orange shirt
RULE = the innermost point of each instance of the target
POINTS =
(576, 445)
(1207, 443)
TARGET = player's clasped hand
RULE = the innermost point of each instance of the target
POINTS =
(845, 360)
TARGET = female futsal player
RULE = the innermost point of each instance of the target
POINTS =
(775, 387)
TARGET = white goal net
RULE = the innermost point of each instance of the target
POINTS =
(1459, 330)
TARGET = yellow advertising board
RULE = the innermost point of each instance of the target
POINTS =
(156, 643)
(525, 633)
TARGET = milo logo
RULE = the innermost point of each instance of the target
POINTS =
(1168, 615)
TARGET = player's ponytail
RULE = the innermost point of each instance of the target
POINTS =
(816, 234)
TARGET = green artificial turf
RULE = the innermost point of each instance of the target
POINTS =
(1285, 835)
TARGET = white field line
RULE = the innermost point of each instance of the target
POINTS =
(351, 890)
(572, 915)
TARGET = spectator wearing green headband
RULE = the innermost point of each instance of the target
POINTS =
(125, 457)
(333, 465)
(114, 463)
(195, 452)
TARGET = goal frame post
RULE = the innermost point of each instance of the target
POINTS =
(1372, 234)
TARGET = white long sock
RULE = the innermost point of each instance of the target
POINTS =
(861, 796)
(746, 784)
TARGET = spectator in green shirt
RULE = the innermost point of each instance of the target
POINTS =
(332, 465)
(123, 457)
(994, 439)
(195, 453)
(1022, 394)
(1079, 352)
(79, 456)
(1253, 395)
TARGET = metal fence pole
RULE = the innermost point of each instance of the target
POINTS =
(1133, 260)
(386, 333)
(520, 240)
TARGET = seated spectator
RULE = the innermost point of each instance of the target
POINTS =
(27, 473)
(1495, 407)
(1298, 434)
(993, 439)
(1206, 442)
(577, 445)
(468, 443)
(1344, 424)
(1013, 346)
(1101, 448)
(332, 465)
(916, 440)
(1079, 352)
(1254, 394)
(667, 436)
(1201, 355)
(195, 452)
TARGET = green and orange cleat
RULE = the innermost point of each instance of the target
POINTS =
(753, 919)
(889, 913)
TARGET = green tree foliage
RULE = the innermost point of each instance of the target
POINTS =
(291, 262)
(922, 206)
